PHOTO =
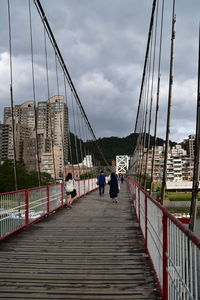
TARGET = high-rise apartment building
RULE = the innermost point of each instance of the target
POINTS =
(52, 128)
(158, 163)
(189, 145)
(179, 165)
(5, 142)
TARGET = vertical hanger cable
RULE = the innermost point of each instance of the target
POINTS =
(157, 93)
(49, 107)
(61, 118)
(34, 97)
(11, 98)
(154, 36)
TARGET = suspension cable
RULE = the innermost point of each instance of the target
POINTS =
(87, 141)
(75, 134)
(50, 110)
(145, 113)
(69, 129)
(34, 97)
(69, 152)
(11, 98)
(137, 148)
(151, 96)
(65, 70)
(169, 102)
(195, 184)
(157, 96)
(84, 137)
(145, 62)
(61, 118)
(79, 128)
(142, 130)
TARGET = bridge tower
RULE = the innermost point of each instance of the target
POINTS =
(122, 163)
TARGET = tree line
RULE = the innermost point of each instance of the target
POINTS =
(25, 179)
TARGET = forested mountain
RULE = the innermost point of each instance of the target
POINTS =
(112, 146)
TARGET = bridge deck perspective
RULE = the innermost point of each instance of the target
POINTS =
(92, 251)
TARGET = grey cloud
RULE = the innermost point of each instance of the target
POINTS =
(103, 44)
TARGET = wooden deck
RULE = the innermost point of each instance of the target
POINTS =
(92, 251)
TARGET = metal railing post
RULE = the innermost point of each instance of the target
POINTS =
(165, 259)
(62, 193)
(79, 188)
(138, 206)
(48, 202)
(27, 207)
(134, 194)
(146, 231)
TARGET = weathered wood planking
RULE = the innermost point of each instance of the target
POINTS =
(93, 251)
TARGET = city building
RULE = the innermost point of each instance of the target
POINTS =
(47, 161)
(158, 163)
(84, 167)
(51, 133)
(5, 142)
(189, 145)
(179, 164)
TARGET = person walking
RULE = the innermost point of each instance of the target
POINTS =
(122, 179)
(114, 187)
(70, 189)
(101, 181)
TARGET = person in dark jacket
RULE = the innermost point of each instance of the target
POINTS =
(101, 179)
(114, 188)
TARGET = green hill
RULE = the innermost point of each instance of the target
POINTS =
(112, 146)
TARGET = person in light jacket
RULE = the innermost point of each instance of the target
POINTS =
(114, 187)
(70, 189)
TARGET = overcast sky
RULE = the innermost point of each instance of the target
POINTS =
(103, 44)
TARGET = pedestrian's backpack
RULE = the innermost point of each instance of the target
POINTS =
(69, 186)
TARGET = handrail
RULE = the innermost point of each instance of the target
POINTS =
(175, 255)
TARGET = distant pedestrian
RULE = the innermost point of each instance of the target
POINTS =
(101, 181)
(114, 187)
(70, 189)
(122, 179)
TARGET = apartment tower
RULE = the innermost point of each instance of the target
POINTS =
(52, 128)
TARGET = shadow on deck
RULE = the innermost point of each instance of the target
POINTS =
(92, 251)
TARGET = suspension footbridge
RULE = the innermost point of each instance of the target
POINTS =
(133, 249)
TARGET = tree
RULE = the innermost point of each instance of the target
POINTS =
(25, 179)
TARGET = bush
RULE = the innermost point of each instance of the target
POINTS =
(88, 175)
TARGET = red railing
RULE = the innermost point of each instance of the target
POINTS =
(19, 209)
(173, 249)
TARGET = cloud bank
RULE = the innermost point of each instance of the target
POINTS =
(103, 44)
